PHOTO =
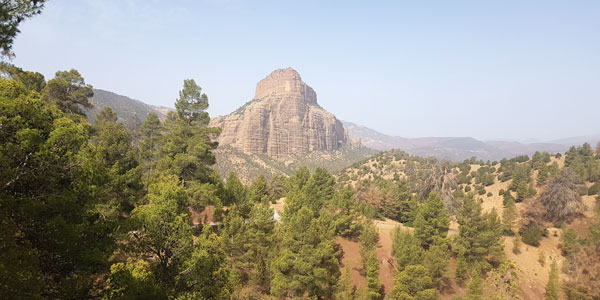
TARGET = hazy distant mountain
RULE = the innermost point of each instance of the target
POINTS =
(127, 109)
(579, 140)
(453, 148)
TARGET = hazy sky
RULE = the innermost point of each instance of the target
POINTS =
(508, 69)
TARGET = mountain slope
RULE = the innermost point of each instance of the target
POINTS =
(128, 110)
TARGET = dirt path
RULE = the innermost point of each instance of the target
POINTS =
(387, 268)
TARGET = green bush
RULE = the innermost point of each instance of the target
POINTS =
(594, 189)
(506, 197)
(480, 190)
(467, 188)
(574, 293)
(489, 194)
(532, 235)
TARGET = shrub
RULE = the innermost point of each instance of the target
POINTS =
(480, 190)
(542, 258)
(560, 199)
(507, 197)
(489, 194)
(532, 235)
(594, 189)
(569, 241)
(577, 293)
(516, 245)
(521, 158)
(582, 189)
(467, 188)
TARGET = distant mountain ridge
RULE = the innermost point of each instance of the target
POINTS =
(453, 148)
(459, 148)
(127, 109)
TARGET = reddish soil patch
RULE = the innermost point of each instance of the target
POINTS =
(206, 216)
(351, 259)
(203, 217)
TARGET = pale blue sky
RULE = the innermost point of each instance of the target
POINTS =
(487, 69)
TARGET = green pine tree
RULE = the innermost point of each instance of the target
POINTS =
(431, 222)
(475, 288)
(413, 283)
(553, 286)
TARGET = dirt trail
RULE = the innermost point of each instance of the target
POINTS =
(387, 267)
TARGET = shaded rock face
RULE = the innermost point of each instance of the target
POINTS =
(283, 119)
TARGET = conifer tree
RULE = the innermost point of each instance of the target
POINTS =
(479, 234)
(164, 230)
(368, 241)
(204, 274)
(69, 92)
(462, 267)
(259, 191)
(413, 283)
(475, 289)
(12, 13)
(435, 259)
(186, 150)
(152, 134)
(406, 248)
(307, 261)
(48, 207)
(516, 244)
(345, 290)
(569, 241)
(260, 235)
(235, 192)
(431, 222)
(114, 160)
(509, 216)
(553, 286)
(132, 280)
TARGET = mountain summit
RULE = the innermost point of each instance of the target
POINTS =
(282, 120)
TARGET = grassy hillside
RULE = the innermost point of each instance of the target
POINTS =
(523, 180)
(250, 166)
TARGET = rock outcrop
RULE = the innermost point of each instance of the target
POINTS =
(283, 119)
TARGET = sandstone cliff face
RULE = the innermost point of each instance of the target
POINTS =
(283, 119)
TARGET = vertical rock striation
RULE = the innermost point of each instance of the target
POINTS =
(283, 119)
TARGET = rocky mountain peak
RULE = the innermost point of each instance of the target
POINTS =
(285, 82)
(283, 119)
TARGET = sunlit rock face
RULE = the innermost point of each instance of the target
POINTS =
(283, 119)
